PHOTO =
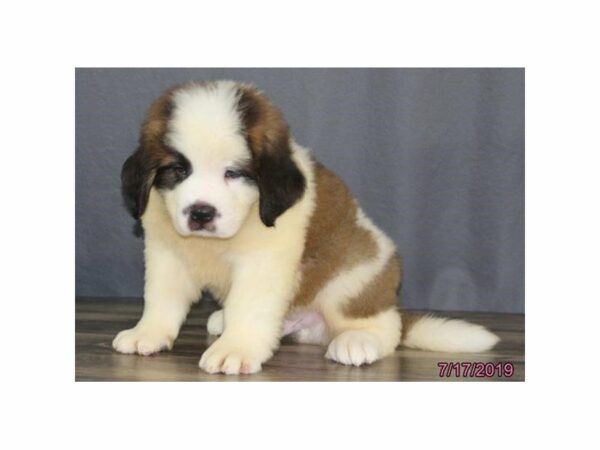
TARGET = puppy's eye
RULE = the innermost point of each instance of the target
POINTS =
(233, 174)
(180, 170)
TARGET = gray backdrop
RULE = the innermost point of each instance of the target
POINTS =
(435, 156)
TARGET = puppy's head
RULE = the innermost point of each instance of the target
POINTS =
(212, 150)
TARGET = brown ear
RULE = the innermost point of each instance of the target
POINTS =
(280, 181)
(137, 177)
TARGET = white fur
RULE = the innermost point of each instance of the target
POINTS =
(205, 128)
(255, 272)
(364, 341)
(169, 292)
(264, 263)
(449, 335)
(354, 347)
(216, 323)
(315, 333)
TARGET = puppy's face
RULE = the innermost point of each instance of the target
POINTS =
(210, 187)
(213, 150)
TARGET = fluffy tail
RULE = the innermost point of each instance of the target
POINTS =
(445, 335)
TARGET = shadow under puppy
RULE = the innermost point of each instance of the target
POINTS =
(229, 202)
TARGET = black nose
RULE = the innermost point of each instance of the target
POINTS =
(202, 213)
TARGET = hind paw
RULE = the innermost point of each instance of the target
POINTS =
(354, 348)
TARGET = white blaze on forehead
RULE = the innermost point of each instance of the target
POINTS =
(206, 128)
(205, 123)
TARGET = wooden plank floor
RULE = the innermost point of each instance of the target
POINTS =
(99, 320)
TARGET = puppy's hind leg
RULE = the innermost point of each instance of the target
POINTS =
(359, 341)
(363, 319)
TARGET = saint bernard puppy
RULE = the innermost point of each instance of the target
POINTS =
(229, 202)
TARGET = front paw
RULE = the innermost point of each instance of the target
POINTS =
(143, 340)
(232, 358)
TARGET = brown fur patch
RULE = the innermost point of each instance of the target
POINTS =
(408, 320)
(379, 294)
(155, 124)
(334, 242)
(264, 126)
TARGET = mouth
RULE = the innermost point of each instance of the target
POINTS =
(196, 226)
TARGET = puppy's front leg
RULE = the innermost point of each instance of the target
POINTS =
(168, 294)
(253, 314)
